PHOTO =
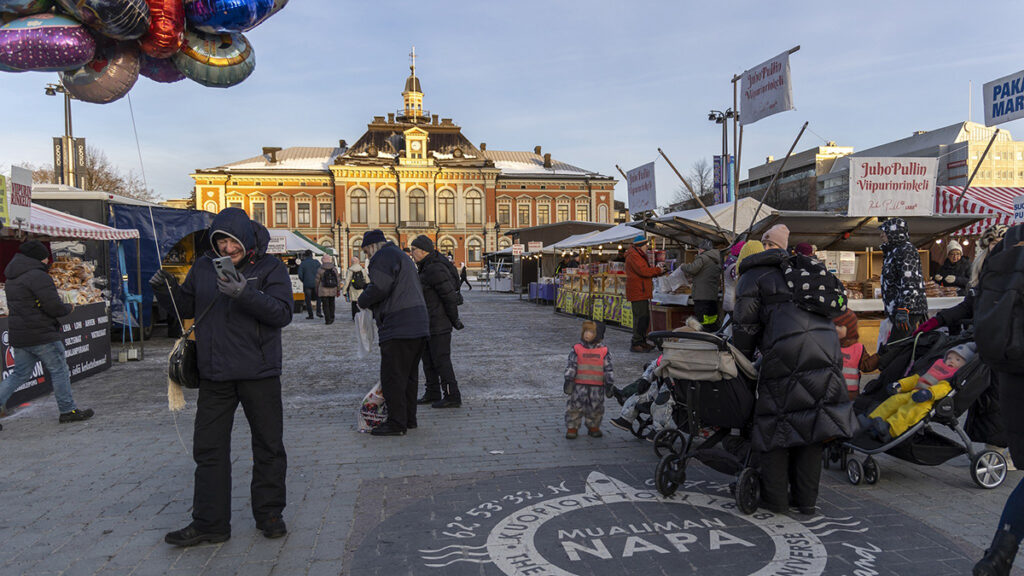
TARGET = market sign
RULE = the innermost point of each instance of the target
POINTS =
(1004, 99)
(277, 245)
(534, 246)
(892, 186)
(1018, 210)
(766, 89)
(19, 198)
(642, 193)
(517, 249)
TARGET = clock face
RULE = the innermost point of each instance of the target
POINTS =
(416, 145)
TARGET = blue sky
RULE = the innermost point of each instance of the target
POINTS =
(595, 83)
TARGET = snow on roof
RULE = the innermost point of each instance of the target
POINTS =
(522, 163)
(294, 158)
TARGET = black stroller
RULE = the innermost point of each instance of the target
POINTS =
(713, 385)
(921, 444)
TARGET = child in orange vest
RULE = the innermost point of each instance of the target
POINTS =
(588, 380)
(855, 357)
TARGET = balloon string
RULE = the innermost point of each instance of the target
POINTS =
(138, 147)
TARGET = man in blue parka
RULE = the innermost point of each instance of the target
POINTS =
(238, 344)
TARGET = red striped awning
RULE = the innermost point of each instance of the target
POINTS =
(49, 222)
(995, 201)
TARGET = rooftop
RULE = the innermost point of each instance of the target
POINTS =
(294, 158)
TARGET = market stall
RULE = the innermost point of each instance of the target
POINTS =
(597, 288)
(86, 329)
(289, 247)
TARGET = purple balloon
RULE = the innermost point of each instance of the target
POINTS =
(160, 70)
(45, 43)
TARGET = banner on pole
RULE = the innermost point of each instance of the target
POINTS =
(1018, 210)
(731, 190)
(724, 186)
(1004, 99)
(19, 198)
(5, 219)
(766, 89)
(642, 194)
(892, 186)
(719, 186)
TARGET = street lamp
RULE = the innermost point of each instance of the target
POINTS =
(68, 176)
(719, 117)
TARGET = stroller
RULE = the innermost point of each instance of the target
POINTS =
(713, 385)
(920, 444)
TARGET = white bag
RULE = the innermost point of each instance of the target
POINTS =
(373, 411)
(366, 332)
(884, 330)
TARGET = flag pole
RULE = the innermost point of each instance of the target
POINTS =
(771, 184)
(956, 209)
(692, 193)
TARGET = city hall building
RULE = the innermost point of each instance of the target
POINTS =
(410, 173)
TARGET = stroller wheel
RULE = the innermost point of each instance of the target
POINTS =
(988, 469)
(854, 471)
(748, 491)
(871, 472)
(669, 442)
(670, 473)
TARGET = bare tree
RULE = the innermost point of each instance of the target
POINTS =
(100, 174)
(700, 178)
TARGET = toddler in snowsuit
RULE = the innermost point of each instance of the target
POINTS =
(588, 380)
(915, 394)
(855, 356)
(649, 392)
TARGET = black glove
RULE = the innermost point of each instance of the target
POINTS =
(901, 320)
(233, 286)
(458, 325)
(893, 388)
(161, 280)
(609, 391)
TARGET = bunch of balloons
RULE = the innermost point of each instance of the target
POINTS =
(100, 47)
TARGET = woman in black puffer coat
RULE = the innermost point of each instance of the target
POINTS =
(801, 395)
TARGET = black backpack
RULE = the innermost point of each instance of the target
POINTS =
(999, 310)
(814, 288)
(358, 280)
(329, 279)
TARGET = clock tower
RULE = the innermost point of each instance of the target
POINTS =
(415, 147)
(413, 94)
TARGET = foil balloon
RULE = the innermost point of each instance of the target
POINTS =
(213, 16)
(118, 19)
(108, 77)
(278, 5)
(25, 7)
(160, 70)
(45, 43)
(166, 28)
(215, 60)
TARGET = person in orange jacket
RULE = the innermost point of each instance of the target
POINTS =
(639, 287)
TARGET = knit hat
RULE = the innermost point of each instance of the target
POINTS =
(34, 249)
(749, 249)
(849, 320)
(805, 249)
(966, 351)
(372, 237)
(641, 239)
(705, 245)
(778, 234)
(992, 234)
(423, 243)
(953, 245)
(589, 325)
(735, 250)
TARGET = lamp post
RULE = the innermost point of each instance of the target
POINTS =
(719, 117)
(66, 175)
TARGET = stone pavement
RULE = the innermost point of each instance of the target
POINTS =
(491, 488)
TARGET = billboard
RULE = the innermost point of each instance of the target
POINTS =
(1004, 99)
(892, 186)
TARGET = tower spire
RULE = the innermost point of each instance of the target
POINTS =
(412, 56)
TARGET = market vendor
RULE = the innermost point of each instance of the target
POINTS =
(639, 288)
(705, 274)
(956, 270)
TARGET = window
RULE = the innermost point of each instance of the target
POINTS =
(562, 213)
(302, 213)
(326, 214)
(523, 219)
(543, 214)
(446, 207)
(280, 214)
(259, 212)
(475, 250)
(210, 206)
(602, 213)
(386, 203)
(474, 213)
(417, 206)
(234, 204)
(446, 246)
(358, 207)
(504, 243)
(504, 214)
(582, 212)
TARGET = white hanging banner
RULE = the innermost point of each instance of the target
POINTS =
(892, 186)
(766, 89)
(1018, 210)
(19, 198)
(1004, 99)
(642, 193)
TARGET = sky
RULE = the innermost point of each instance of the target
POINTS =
(595, 83)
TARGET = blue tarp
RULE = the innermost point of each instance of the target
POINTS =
(172, 224)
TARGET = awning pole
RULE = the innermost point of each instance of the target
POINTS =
(771, 184)
(723, 233)
(138, 280)
(956, 208)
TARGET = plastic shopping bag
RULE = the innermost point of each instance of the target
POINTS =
(373, 411)
(366, 332)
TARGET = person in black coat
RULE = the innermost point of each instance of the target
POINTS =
(34, 329)
(956, 270)
(463, 277)
(801, 395)
(307, 274)
(906, 305)
(238, 347)
(439, 281)
(395, 296)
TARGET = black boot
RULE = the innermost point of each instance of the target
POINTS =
(999, 557)
(429, 397)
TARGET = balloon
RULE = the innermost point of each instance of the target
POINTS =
(278, 5)
(118, 19)
(108, 77)
(215, 60)
(25, 7)
(214, 16)
(166, 28)
(160, 70)
(46, 43)
(9, 69)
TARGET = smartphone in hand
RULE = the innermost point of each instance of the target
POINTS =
(224, 267)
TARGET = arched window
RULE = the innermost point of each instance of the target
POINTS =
(387, 207)
(417, 206)
(446, 246)
(210, 206)
(474, 209)
(357, 207)
(504, 243)
(475, 250)
(602, 213)
(446, 207)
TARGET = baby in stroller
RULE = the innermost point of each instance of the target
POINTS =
(914, 395)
